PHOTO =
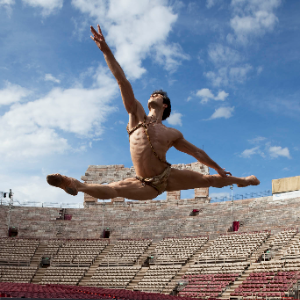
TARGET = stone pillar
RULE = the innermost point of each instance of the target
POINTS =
(202, 194)
(175, 195)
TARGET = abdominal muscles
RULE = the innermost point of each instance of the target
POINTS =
(146, 164)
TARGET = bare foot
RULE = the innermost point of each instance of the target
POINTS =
(250, 180)
(68, 184)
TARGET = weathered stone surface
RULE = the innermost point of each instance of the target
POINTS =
(153, 219)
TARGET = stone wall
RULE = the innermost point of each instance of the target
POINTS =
(107, 174)
(153, 219)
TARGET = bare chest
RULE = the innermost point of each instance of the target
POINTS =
(159, 135)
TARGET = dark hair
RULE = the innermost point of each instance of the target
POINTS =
(166, 100)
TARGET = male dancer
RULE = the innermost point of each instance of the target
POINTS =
(149, 142)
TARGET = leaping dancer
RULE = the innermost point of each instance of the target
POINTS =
(149, 142)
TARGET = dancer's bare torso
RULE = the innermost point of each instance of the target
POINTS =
(146, 164)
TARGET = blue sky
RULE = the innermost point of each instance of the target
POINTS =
(231, 69)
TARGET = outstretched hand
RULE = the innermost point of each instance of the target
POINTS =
(223, 173)
(98, 38)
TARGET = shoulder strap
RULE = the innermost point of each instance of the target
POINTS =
(154, 152)
(143, 124)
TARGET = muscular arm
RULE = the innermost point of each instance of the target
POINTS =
(131, 104)
(183, 145)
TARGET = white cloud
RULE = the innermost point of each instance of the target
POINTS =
(218, 78)
(48, 6)
(206, 94)
(7, 2)
(247, 153)
(12, 93)
(34, 128)
(222, 95)
(136, 29)
(259, 70)
(175, 119)
(276, 151)
(223, 55)
(252, 18)
(170, 56)
(225, 75)
(50, 77)
(210, 3)
(239, 74)
(222, 112)
(272, 151)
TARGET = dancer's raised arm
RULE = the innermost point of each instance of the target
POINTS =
(131, 104)
(183, 145)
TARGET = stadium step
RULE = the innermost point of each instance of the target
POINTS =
(172, 284)
(36, 258)
(194, 258)
(144, 256)
(102, 255)
(265, 246)
(92, 269)
(238, 282)
(38, 275)
(281, 252)
(138, 277)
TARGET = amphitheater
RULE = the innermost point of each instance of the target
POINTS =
(156, 249)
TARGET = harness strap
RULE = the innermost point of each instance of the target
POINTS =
(145, 125)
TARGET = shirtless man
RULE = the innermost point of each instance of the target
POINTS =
(149, 142)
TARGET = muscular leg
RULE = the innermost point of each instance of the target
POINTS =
(186, 179)
(130, 188)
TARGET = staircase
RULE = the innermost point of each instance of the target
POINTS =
(237, 283)
(38, 275)
(92, 269)
(265, 246)
(138, 277)
(141, 260)
(172, 284)
(280, 253)
(36, 258)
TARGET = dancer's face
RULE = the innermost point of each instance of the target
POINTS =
(158, 99)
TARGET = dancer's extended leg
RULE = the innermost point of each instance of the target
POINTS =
(130, 188)
(186, 179)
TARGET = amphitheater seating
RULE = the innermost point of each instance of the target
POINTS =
(268, 266)
(113, 277)
(17, 251)
(234, 247)
(52, 247)
(78, 253)
(157, 277)
(74, 292)
(126, 252)
(267, 284)
(218, 268)
(17, 274)
(210, 280)
(206, 285)
(282, 238)
(63, 275)
(293, 251)
(177, 250)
